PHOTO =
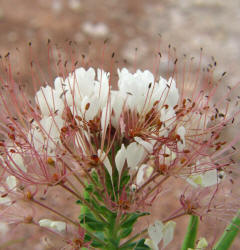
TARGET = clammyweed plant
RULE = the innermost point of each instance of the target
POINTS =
(117, 144)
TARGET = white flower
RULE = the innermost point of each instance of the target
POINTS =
(143, 171)
(103, 157)
(89, 107)
(47, 134)
(158, 231)
(171, 94)
(206, 179)
(11, 182)
(168, 117)
(147, 145)
(202, 244)
(102, 87)
(105, 118)
(181, 132)
(4, 200)
(58, 226)
(117, 101)
(120, 159)
(79, 84)
(136, 88)
(135, 154)
(49, 100)
(16, 159)
(3, 228)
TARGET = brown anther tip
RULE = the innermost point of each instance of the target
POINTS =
(87, 106)
(95, 158)
(50, 161)
(29, 195)
(28, 219)
(55, 177)
(106, 40)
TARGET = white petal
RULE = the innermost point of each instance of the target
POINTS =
(173, 95)
(202, 244)
(181, 132)
(148, 242)
(102, 87)
(49, 100)
(3, 228)
(168, 232)
(45, 223)
(17, 160)
(11, 182)
(105, 161)
(147, 145)
(4, 200)
(58, 226)
(140, 174)
(120, 159)
(195, 180)
(207, 179)
(210, 178)
(93, 106)
(135, 154)
(155, 232)
(105, 118)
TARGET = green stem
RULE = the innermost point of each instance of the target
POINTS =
(229, 234)
(190, 237)
(85, 203)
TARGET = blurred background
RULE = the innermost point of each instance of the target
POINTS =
(148, 26)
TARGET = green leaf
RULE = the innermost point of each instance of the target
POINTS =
(125, 232)
(124, 179)
(90, 221)
(95, 177)
(108, 183)
(136, 246)
(141, 246)
(94, 242)
(108, 214)
(229, 234)
(190, 237)
(132, 218)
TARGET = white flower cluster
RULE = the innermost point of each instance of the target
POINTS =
(88, 96)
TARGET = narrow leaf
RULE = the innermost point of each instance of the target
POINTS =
(229, 234)
(190, 237)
